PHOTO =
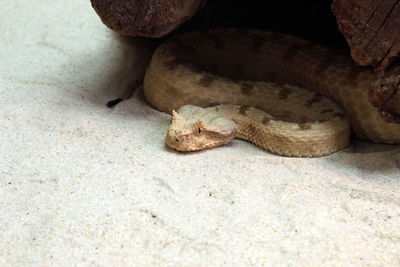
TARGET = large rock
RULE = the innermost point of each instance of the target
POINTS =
(372, 30)
(147, 18)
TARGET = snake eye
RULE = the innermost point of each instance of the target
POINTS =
(199, 130)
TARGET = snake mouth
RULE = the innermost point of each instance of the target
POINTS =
(178, 143)
(197, 141)
(185, 143)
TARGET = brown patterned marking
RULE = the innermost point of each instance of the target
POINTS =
(216, 39)
(172, 64)
(207, 80)
(304, 126)
(315, 99)
(284, 92)
(243, 110)
(260, 107)
(341, 115)
(292, 52)
(323, 64)
(258, 41)
(191, 66)
(252, 131)
(265, 120)
(184, 47)
(246, 88)
(326, 110)
(295, 48)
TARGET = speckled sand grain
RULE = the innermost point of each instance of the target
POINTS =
(81, 184)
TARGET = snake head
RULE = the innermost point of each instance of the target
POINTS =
(194, 128)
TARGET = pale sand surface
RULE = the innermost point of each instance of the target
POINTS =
(84, 184)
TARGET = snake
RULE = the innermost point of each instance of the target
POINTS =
(288, 95)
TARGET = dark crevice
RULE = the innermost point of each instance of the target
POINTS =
(387, 53)
(311, 20)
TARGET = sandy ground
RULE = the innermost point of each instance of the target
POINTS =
(81, 184)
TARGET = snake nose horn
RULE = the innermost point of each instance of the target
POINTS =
(176, 117)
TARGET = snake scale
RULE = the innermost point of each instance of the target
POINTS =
(251, 82)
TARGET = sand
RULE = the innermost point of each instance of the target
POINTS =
(82, 184)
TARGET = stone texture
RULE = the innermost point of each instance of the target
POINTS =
(147, 18)
(371, 28)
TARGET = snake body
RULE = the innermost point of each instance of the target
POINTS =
(232, 67)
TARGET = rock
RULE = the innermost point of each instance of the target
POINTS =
(372, 30)
(147, 18)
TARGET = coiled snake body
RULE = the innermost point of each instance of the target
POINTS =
(232, 67)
